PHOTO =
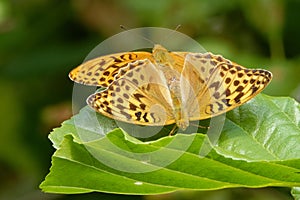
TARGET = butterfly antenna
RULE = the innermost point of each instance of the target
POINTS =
(143, 37)
(123, 27)
(169, 35)
(177, 27)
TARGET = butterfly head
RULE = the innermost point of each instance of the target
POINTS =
(161, 55)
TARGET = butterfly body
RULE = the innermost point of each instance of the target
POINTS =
(163, 87)
(165, 61)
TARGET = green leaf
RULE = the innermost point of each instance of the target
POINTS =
(296, 193)
(267, 128)
(257, 148)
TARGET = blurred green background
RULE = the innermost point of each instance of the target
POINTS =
(42, 40)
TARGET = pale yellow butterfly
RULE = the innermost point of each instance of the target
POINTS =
(162, 87)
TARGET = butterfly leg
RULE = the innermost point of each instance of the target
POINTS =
(199, 126)
(173, 130)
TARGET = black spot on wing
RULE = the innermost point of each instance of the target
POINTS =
(138, 115)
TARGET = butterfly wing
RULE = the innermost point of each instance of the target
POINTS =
(140, 96)
(219, 85)
(102, 70)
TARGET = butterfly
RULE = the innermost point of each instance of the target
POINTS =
(162, 87)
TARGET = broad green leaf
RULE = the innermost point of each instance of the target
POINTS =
(76, 168)
(267, 128)
(257, 148)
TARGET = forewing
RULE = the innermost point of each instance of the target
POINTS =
(102, 70)
(140, 96)
(221, 85)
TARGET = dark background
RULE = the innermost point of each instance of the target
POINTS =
(42, 40)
